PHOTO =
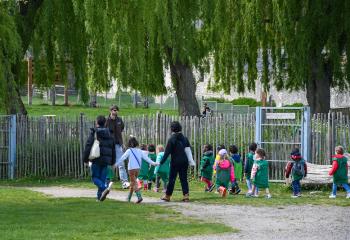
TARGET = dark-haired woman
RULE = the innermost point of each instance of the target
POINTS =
(178, 147)
(135, 156)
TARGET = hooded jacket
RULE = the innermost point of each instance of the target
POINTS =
(107, 147)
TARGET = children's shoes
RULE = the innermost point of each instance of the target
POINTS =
(332, 196)
(348, 196)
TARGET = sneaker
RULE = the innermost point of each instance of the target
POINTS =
(249, 194)
(125, 185)
(104, 194)
(238, 191)
(294, 196)
(268, 196)
(348, 196)
(155, 190)
(186, 198)
(332, 196)
(139, 200)
(110, 184)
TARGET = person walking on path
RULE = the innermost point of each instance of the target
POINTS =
(116, 126)
(339, 171)
(135, 156)
(297, 169)
(178, 147)
(106, 158)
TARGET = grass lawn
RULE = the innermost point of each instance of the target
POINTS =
(41, 107)
(281, 194)
(28, 215)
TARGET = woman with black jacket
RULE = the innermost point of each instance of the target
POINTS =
(107, 157)
(178, 147)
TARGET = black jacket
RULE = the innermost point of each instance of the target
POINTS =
(116, 126)
(107, 147)
(176, 147)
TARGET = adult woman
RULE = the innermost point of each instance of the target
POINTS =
(178, 147)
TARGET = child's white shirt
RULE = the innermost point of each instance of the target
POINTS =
(135, 156)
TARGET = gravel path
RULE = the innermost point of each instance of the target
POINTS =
(287, 222)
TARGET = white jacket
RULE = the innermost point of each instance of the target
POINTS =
(135, 156)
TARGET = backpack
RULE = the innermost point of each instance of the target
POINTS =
(298, 168)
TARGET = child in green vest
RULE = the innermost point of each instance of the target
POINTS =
(298, 170)
(248, 165)
(339, 172)
(224, 173)
(260, 173)
(161, 171)
(143, 175)
(237, 165)
(150, 176)
(206, 167)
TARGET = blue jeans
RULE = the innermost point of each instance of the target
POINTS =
(99, 174)
(122, 171)
(344, 185)
(296, 187)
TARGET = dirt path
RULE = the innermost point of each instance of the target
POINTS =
(288, 222)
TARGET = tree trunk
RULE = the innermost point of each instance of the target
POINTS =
(185, 87)
(318, 88)
(25, 25)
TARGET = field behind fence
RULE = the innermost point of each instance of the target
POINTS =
(52, 147)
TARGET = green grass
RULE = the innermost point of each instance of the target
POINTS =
(41, 107)
(28, 215)
(281, 194)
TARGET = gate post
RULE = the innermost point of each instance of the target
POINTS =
(12, 147)
(306, 138)
(258, 125)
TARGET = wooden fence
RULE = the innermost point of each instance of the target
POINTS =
(53, 146)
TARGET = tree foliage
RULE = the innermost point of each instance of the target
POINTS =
(10, 45)
(296, 40)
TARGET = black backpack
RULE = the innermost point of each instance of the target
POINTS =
(298, 168)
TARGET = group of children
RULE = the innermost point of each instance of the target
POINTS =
(153, 174)
(227, 170)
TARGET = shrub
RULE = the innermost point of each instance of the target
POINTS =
(294, 105)
(246, 101)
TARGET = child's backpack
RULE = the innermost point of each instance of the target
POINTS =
(298, 168)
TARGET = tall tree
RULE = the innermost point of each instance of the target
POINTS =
(132, 41)
(303, 45)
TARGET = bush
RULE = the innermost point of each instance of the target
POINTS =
(294, 105)
(246, 101)
(214, 99)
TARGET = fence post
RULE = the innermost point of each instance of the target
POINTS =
(12, 148)
(306, 138)
(81, 138)
(258, 125)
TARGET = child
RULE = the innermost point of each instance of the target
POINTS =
(237, 165)
(206, 167)
(260, 173)
(339, 172)
(224, 173)
(248, 166)
(143, 174)
(161, 171)
(151, 176)
(135, 156)
(297, 169)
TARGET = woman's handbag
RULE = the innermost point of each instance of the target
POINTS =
(95, 149)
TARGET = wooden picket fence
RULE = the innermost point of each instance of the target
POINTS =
(52, 146)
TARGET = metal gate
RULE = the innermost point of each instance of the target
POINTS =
(7, 147)
(278, 131)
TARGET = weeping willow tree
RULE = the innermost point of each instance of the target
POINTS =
(303, 45)
(151, 36)
(131, 41)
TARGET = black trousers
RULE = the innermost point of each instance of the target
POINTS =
(182, 171)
